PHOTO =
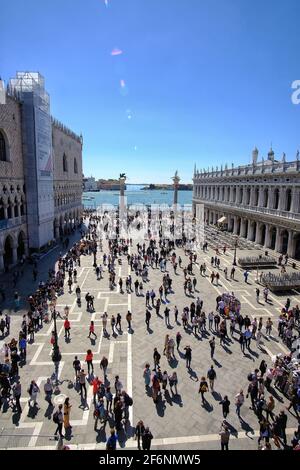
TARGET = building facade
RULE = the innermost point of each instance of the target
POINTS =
(90, 184)
(40, 171)
(259, 201)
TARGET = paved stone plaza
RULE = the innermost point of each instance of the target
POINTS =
(177, 422)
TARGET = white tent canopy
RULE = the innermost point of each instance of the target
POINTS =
(222, 219)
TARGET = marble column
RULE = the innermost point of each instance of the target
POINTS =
(250, 230)
(278, 242)
(252, 195)
(282, 199)
(271, 198)
(257, 233)
(291, 244)
(295, 200)
(243, 228)
(267, 237)
(235, 225)
(244, 200)
(261, 196)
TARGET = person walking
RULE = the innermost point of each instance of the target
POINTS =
(67, 327)
(146, 439)
(76, 366)
(178, 339)
(67, 410)
(58, 419)
(17, 391)
(173, 382)
(225, 435)
(139, 430)
(33, 391)
(103, 366)
(48, 389)
(104, 323)
(147, 319)
(156, 358)
(129, 319)
(211, 375)
(82, 384)
(92, 330)
(239, 400)
(203, 388)
(212, 345)
(225, 406)
(111, 443)
(89, 360)
(188, 356)
(147, 375)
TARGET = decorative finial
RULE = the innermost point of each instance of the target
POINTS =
(297, 155)
(254, 156)
(283, 157)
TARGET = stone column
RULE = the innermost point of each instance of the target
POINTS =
(267, 237)
(257, 233)
(243, 227)
(291, 244)
(5, 206)
(235, 225)
(250, 230)
(252, 195)
(176, 180)
(295, 200)
(261, 196)
(282, 199)
(278, 240)
(271, 198)
(244, 195)
(231, 194)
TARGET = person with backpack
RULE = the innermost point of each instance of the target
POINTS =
(58, 419)
(211, 375)
(127, 400)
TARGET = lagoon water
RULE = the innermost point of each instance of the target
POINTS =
(135, 195)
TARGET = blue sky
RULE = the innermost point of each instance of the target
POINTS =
(206, 81)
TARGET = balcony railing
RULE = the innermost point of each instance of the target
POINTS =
(257, 209)
(6, 224)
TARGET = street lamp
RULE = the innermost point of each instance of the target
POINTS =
(235, 247)
(56, 355)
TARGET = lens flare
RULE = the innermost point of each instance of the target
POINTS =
(116, 51)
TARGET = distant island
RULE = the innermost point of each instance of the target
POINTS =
(168, 187)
